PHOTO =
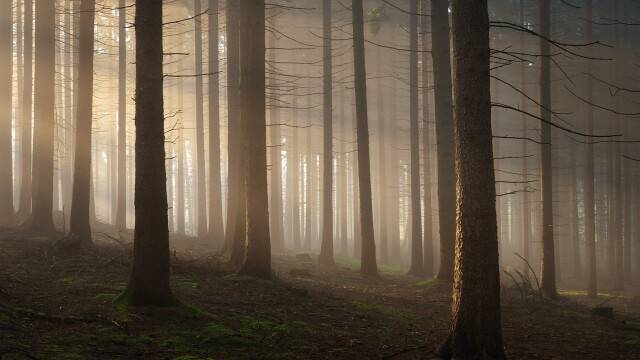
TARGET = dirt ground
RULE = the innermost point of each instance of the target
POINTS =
(60, 308)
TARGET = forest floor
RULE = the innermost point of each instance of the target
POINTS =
(60, 308)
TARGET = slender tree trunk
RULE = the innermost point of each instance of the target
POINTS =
(24, 208)
(326, 249)
(67, 168)
(294, 186)
(80, 221)
(342, 193)
(200, 161)
(495, 97)
(235, 187)
(357, 233)
(575, 219)
(444, 136)
(382, 164)
(19, 104)
(257, 258)
(589, 205)
(547, 265)
(476, 330)
(44, 119)
(6, 107)
(121, 213)
(149, 282)
(426, 153)
(216, 229)
(526, 207)
(276, 226)
(417, 266)
(308, 174)
(368, 262)
(180, 228)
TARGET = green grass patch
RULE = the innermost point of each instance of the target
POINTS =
(429, 284)
(104, 296)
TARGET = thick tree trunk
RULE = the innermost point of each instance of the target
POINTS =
(24, 208)
(149, 282)
(444, 136)
(257, 258)
(475, 323)
(326, 249)
(121, 212)
(589, 205)
(426, 153)
(216, 229)
(44, 119)
(80, 221)
(368, 262)
(417, 266)
(6, 107)
(547, 265)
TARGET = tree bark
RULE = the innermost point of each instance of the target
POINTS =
(368, 262)
(526, 207)
(547, 265)
(444, 136)
(257, 258)
(80, 222)
(326, 249)
(475, 323)
(216, 229)
(382, 163)
(24, 207)
(149, 282)
(589, 204)
(44, 119)
(121, 213)
(417, 266)
(426, 153)
(6, 107)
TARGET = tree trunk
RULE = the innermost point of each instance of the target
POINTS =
(44, 119)
(216, 229)
(257, 258)
(200, 167)
(6, 107)
(121, 213)
(235, 188)
(326, 249)
(426, 153)
(382, 164)
(180, 181)
(526, 207)
(24, 208)
(547, 265)
(276, 225)
(575, 219)
(342, 193)
(417, 266)
(444, 136)
(80, 223)
(475, 326)
(368, 261)
(589, 205)
(149, 282)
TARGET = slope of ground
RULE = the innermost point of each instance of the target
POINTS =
(59, 308)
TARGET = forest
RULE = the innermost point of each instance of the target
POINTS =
(320, 179)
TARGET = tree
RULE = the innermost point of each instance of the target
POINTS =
(444, 135)
(417, 266)
(216, 229)
(589, 203)
(80, 225)
(149, 282)
(547, 265)
(426, 153)
(326, 249)
(475, 322)
(41, 218)
(24, 207)
(6, 90)
(368, 262)
(257, 255)
(200, 168)
(121, 212)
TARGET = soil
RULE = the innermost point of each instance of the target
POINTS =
(54, 307)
